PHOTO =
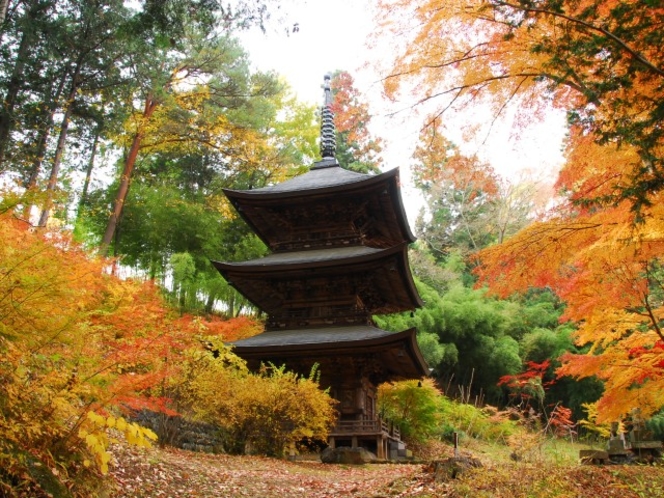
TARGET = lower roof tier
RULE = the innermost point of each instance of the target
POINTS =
(385, 356)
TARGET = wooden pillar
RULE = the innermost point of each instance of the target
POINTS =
(380, 447)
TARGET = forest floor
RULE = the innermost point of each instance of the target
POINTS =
(171, 473)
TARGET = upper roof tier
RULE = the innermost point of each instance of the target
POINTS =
(327, 206)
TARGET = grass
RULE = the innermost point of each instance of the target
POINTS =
(546, 467)
(528, 447)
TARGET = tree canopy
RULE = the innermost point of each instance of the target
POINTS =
(599, 60)
(599, 248)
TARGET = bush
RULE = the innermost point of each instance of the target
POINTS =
(424, 413)
(262, 413)
(64, 361)
(414, 405)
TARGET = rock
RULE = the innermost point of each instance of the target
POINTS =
(595, 457)
(451, 468)
(344, 454)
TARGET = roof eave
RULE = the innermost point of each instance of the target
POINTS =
(370, 180)
(407, 337)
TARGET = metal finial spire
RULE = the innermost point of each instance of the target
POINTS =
(328, 139)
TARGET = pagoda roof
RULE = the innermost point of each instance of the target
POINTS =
(338, 284)
(317, 179)
(344, 206)
(316, 257)
(398, 352)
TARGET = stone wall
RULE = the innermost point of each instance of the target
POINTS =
(181, 433)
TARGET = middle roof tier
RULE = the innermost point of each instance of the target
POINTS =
(336, 286)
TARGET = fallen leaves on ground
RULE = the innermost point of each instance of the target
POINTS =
(173, 473)
(542, 480)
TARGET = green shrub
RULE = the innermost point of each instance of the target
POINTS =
(414, 405)
(423, 412)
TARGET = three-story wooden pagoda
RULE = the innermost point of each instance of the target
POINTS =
(338, 242)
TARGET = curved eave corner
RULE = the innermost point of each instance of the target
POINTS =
(408, 277)
(401, 214)
(416, 354)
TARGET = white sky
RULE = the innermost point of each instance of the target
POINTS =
(332, 36)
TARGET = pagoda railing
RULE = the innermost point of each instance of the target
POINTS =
(366, 428)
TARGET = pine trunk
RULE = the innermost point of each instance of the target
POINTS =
(88, 177)
(125, 180)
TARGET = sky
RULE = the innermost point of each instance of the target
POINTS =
(333, 36)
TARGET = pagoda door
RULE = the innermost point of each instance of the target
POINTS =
(369, 405)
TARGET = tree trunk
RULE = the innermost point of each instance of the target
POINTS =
(13, 87)
(55, 169)
(183, 298)
(125, 179)
(88, 177)
(121, 195)
(42, 139)
(16, 80)
(60, 148)
(3, 10)
(209, 304)
(40, 153)
(231, 306)
(239, 310)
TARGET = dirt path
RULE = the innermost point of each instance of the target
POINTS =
(172, 473)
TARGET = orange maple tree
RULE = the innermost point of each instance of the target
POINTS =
(469, 205)
(77, 347)
(608, 271)
(356, 148)
(459, 191)
(600, 60)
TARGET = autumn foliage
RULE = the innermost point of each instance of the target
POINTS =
(68, 354)
(357, 150)
(81, 349)
(599, 60)
(600, 249)
(268, 413)
(527, 389)
(461, 193)
(608, 271)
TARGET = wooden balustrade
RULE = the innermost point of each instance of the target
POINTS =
(366, 428)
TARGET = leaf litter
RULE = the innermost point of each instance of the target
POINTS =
(173, 473)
